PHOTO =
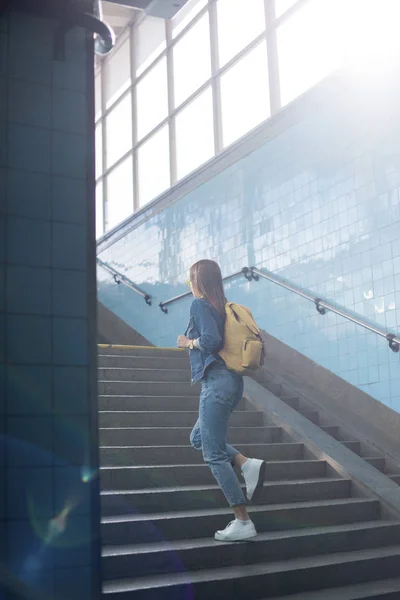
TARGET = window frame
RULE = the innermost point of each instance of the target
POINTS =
(269, 34)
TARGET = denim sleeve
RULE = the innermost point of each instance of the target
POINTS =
(210, 339)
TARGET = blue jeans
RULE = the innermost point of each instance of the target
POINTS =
(221, 392)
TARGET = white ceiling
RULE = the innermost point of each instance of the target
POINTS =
(118, 16)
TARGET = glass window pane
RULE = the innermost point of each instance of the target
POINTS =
(120, 193)
(195, 134)
(281, 6)
(119, 131)
(186, 15)
(308, 48)
(97, 97)
(150, 42)
(117, 72)
(99, 150)
(192, 60)
(245, 95)
(153, 166)
(238, 26)
(152, 98)
(99, 210)
(369, 35)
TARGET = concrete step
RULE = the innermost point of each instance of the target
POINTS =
(131, 478)
(164, 375)
(167, 455)
(311, 415)
(151, 403)
(195, 497)
(395, 477)
(148, 388)
(352, 445)
(377, 462)
(171, 418)
(137, 528)
(175, 436)
(292, 401)
(142, 560)
(331, 430)
(143, 362)
(265, 580)
(275, 388)
(386, 589)
(134, 351)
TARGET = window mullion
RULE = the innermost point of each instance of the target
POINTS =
(104, 142)
(134, 119)
(171, 105)
(216, 80)
(273, 60)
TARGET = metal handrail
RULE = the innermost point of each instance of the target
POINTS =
(119, 278)
(322, 306)
(245, 272)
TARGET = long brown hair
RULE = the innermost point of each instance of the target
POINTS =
(206, 279)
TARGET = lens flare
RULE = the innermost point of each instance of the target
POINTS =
(57, 525)
(87, 474)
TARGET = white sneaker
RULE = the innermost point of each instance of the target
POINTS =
(253, 472)
(237, 531)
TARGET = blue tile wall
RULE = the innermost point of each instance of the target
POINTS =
(29, 195)
(29, 148)
(71, 389)
(29, 388)
(69, 200)
(73, 583)
(36, 112)
(37, 280)
(47, 362)
(318, 204)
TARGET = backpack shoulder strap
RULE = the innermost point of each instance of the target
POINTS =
(244, 314)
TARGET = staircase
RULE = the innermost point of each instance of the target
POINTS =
(320, 538)
(283, 390)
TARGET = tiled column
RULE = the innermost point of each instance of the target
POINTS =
(49, 504)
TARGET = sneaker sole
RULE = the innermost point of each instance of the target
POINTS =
(260, 482)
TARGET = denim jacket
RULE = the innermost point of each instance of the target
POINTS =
(206, 325)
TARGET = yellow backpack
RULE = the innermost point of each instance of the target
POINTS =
(243, 350)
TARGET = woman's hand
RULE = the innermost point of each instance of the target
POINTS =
(183, 342)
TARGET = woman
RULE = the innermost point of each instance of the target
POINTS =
(221, 392)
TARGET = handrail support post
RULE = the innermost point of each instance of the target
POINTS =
(320, 309)
(254, 276)
(395, 346)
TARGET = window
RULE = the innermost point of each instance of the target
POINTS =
(192, 60)
(238, 26)
(152, 98)
(281, 6)
(245, 95)
(99, 150)
(150, 42)
(186, 15)
(120, 193)
(99, 210)
(369, 34)
(119, 131)
(97, 97)
(307, 48)
(153, 166)
(195, 134)
(117, 72)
